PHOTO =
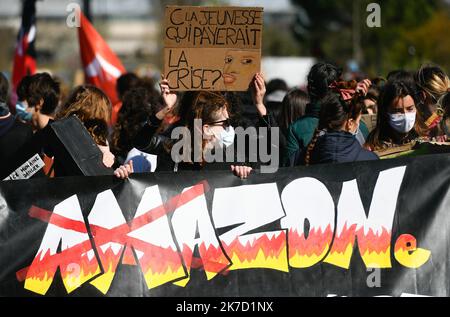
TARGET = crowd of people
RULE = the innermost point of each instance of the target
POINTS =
(322, 124)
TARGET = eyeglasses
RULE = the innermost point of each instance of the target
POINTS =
(224, 123)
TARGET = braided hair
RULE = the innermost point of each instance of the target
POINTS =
(334, 112)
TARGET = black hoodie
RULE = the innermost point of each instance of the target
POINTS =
(13, 135)
(339, 147)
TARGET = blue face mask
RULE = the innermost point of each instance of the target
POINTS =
(402, 122)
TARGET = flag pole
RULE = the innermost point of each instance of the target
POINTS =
(87, 9)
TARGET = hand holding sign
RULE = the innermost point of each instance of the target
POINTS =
(169, 98)
(258, 92)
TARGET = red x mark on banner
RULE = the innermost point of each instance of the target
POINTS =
(118, 234)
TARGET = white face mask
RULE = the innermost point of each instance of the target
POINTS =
(402, 122)
(226, 137)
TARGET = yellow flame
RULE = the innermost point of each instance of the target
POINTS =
(279, 262)
(154, 280)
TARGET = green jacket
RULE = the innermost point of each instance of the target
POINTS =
(301, 132)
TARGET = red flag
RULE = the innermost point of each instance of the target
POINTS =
(25, 54)
(101, 66)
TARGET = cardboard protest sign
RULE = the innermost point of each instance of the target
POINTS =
(370, 120)
(212, 48)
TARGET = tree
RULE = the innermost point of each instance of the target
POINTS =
(427, 42)
(328, 29)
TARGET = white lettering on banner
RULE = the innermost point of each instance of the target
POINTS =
(168, 240)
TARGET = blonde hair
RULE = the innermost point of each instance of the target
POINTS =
(92, 107)
(433, 80)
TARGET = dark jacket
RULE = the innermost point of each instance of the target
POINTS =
(301, 132)
(75, 153)
(269, 121)
(13, 135)
(149, 140)
(339, 147)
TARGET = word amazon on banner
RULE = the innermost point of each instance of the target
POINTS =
(212, 234)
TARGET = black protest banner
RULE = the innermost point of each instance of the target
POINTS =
(360, 229)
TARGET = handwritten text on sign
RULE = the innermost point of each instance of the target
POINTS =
(212, 48)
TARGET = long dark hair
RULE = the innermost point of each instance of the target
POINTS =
(292, 108)
(135, 111)
(383, 131)
(320, 77)
(334, 112)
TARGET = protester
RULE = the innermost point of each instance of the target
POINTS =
(13, 133)
(335, 139)
(396, 119)
(93, 108)
(41, 92)
(320, 126)
(88, 103)
(321, 80)
(403, 76)
(215, 110)
(433, 84)
(300, 133)
(42, 96)
(124, 83)
(293, 107)
(276, 91)
(371, 99)
(445, 124)
(135, 111)
(23, 112)
(155, 97)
